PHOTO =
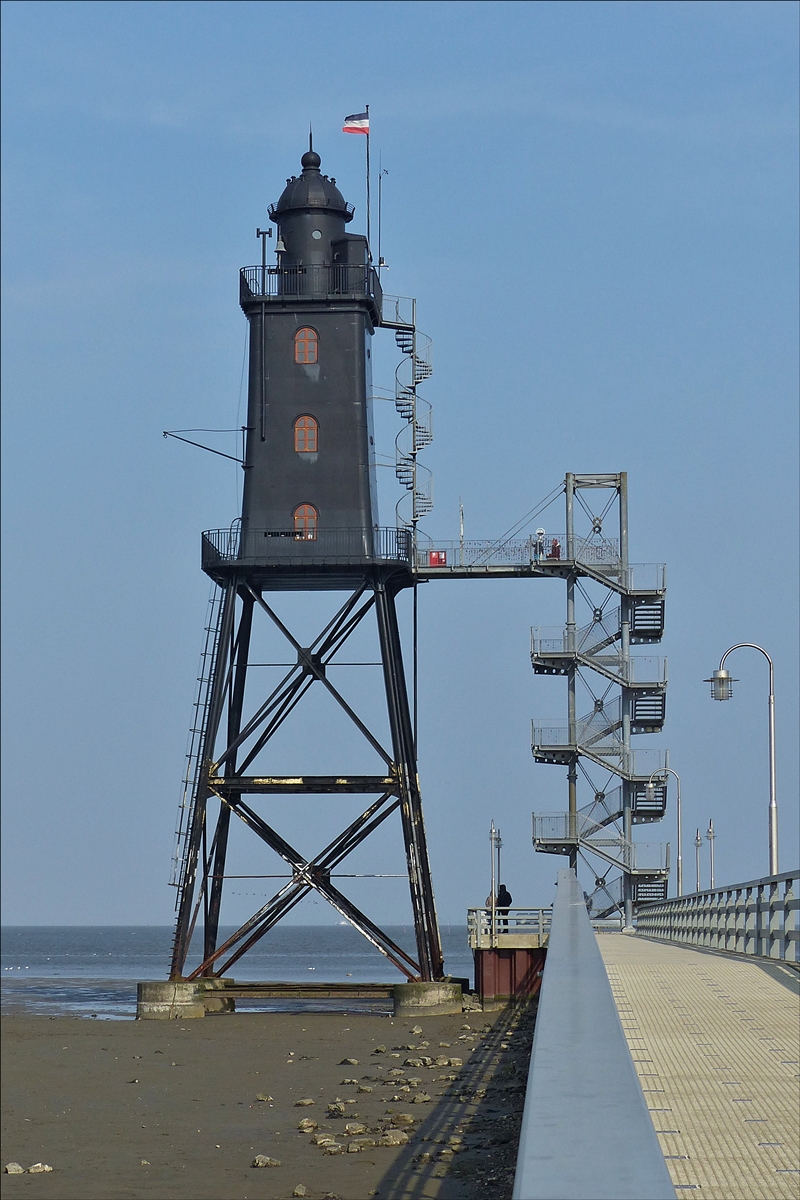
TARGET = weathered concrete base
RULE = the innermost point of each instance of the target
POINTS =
(431, 999)
(169, 1001)
(212, 992)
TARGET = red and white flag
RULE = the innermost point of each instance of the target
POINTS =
(356, 123)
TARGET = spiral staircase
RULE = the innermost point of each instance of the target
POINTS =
(399, 314)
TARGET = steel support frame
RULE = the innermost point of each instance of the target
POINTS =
(222, 776)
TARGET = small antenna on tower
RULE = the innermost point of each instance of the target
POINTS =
(310, 137)
(381, 173)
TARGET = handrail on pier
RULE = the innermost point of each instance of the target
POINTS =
(760, 918)
(586, 1131)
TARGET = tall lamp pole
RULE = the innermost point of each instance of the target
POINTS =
(722, 689)
(495, 843)
(711, 835)
(651, 791)
(698, 846)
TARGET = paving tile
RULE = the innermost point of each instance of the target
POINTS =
(716, 1043)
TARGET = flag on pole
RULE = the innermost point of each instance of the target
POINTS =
(356, 123)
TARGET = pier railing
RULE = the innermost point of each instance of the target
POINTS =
(504, 928)
(760, 918)
(586, 1131)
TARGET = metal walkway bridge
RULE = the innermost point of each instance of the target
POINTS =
(662, 1065)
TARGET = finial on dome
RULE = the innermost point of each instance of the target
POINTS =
(310, 160)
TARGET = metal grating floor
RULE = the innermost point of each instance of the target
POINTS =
(716, 1045)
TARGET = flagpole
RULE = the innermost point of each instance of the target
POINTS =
(368, 191)
(380, 205)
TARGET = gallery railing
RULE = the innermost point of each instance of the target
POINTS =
(336, 280)
(259, 547)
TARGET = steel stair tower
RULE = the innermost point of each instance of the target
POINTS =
(624, 604)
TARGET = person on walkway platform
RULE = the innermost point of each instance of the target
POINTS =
(504, 902)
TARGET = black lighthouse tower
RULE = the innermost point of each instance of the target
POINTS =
(309, 523)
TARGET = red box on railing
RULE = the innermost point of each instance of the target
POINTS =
(437, 558)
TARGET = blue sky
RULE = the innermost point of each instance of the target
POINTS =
(596, 208)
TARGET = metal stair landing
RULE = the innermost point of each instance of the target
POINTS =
(647, 619)
(558, 833)
(606, 807)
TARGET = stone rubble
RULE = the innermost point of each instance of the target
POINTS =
(264, 1160)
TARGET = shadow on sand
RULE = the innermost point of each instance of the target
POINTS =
(467, 1145)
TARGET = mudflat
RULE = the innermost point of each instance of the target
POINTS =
(181, 1109)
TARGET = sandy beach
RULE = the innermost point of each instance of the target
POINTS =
(172, 1110)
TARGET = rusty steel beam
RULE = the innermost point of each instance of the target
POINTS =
(304, 784)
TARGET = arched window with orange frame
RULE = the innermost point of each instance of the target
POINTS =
(306, 346)
(306, 435)
(305, 522)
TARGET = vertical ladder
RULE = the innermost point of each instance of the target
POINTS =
(205, 675)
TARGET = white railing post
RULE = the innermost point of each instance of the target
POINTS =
(775, 921)
(792, 928)
(739, 921)
(750, 938)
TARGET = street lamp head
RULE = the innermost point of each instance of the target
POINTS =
(721, 685)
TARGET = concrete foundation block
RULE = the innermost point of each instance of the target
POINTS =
(494, 1003)
(213, 997)
(418, 999)
(157, 1000)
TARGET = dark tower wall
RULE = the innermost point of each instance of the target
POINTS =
(323, 283)
(335, 392)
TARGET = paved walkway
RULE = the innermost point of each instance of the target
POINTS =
(715, 1040)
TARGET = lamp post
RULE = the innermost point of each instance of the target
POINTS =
(495, 843)
(651, 793)
(698, 846)
(711, 835)
(722, 689)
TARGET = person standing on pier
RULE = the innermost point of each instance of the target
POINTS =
(504, 902)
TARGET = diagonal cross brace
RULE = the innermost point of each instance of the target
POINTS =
(290, 681)
(310, 666)
(312, 874)
(315, 874)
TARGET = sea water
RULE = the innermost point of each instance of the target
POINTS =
(92, 970)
